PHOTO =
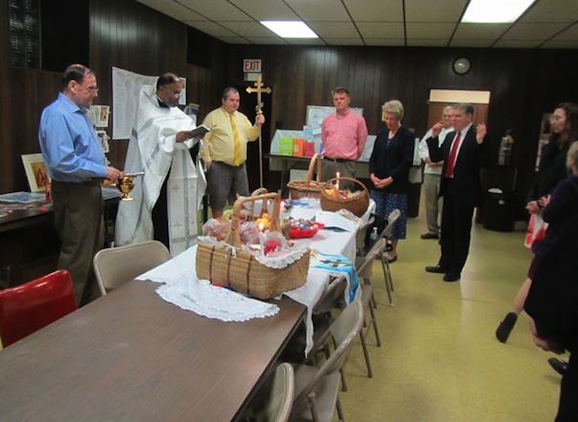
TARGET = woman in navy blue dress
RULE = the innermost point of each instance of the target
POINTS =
(389, 166)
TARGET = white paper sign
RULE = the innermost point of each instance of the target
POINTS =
(126, 88)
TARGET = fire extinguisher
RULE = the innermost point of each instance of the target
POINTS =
(505, 152)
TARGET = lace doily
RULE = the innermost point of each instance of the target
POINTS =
(214, 302)
(182, 288)
(283, 260)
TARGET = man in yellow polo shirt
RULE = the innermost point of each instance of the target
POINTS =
(225, 151)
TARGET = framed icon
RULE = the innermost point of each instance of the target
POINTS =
(36, 172)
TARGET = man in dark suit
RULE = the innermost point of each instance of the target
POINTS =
(464, 152)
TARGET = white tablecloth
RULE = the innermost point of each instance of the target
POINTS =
(182, 287)
(328, 241)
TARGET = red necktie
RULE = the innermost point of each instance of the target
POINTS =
(453, 156)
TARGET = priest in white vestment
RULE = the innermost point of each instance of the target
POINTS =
(159, 146)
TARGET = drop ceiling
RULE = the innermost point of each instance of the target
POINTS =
(408, 23)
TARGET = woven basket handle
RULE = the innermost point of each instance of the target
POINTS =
(235, 232)
(314, 159)
(260, 191)
(351, 179)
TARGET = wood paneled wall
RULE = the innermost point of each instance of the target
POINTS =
(123, 33)
(128, 35)
(523, 85)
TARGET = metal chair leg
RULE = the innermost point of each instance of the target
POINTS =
(388, 287)
(343, 382)
(366, 354)
(340, 415)
(375, 326)
(389, 277)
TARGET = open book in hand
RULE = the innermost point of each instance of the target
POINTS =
(199, 131)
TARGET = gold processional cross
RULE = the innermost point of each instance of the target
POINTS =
(258, 108)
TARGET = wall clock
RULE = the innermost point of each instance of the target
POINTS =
(462, 65)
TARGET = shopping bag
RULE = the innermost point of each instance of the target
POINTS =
(536, 230)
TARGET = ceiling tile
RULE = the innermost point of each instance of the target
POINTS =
(430, 30)
(212, 28)
(319, 10)
(375, 10)
(215, 10)
(570, 34)
(265, 9)
(381, 30)
(513, 43)
(267, 40)
(234, 40)
(533, 31)
(434, 11)
(477, 43)
(305, 41)
(385, 42)
(427, 42)
(334, 29)
(174, 10)
(471, 31)
(552, 11)
(248, 29)
(378, 22)
(344, 41)
(561, 44)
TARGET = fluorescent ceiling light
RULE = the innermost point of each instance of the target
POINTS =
(495, 11)
(290, 29)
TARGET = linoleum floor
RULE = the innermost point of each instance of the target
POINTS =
(440, 360)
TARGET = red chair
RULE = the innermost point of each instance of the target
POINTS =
(27, 308)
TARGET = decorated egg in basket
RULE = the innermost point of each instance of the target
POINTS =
(302, 229)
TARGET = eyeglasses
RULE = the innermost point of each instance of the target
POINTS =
(91, 89)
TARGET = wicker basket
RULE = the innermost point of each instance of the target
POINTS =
(308, 188)
(231, 266)
(357, 204)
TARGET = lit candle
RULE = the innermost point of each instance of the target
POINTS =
(337, 183)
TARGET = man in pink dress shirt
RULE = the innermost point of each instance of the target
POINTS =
(343, 134)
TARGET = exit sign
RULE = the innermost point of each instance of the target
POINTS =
(252, 66)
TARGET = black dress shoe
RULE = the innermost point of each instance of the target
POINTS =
(451, 277)
(505, 327)
(558, 365)
(436, 269)
(429, 236)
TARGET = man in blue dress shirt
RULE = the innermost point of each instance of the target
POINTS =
(76, 163)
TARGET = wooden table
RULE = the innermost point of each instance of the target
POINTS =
(130, 356)
(29, 244)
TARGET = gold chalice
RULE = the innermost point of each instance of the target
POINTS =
(125, 185)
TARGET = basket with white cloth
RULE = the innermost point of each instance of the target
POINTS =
(254, 274)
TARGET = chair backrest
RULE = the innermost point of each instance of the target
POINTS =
(367, 260)
(331, 297)
(343, 330)
(391, 219)
(27, 308)
(361, 235)
(280, 396)
(115, 266)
